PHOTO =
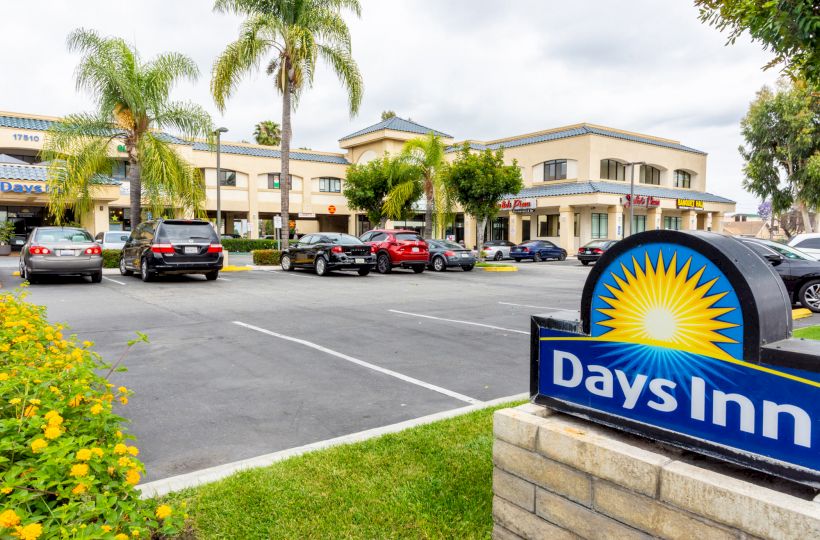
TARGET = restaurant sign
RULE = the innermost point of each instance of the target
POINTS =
(684, 338)
(642, 201)
(690, 203)
(518, 205)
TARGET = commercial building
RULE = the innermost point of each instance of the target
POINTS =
(577, 183)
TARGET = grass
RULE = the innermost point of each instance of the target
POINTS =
(432, 481)
(810, 332)
(497, 265)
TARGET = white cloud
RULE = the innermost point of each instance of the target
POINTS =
(473, 68)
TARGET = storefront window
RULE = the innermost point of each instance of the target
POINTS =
(548, 225)
(650, 175)
(227, 178)
(600, 226)
(273, 181)
(638, 224)
(499, 231)
(330, 185)
(120, 169)
(683, 179)
(555, 170)
(612, 170)
(576, 226)
(671, 223)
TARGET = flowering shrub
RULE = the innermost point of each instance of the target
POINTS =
(67, 470)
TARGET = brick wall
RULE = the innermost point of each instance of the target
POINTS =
(557, 477)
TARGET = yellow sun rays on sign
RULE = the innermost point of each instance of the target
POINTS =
(658, 305)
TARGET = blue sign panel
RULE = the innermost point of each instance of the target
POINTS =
(671, 347)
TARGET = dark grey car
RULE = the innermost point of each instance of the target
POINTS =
(60, 251)
(445, 254)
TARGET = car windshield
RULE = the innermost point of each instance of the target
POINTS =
(788, 251)
(63, 235)
(117, 237)
(597, 244)
(407, 237)
(183, 232)
(342, 238)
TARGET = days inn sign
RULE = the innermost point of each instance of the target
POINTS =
(685, 338)
(16, 187)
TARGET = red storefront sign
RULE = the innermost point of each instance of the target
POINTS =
(641, 200)
(518, 205)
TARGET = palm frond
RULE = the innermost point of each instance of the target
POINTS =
(189, 119)
(168, 180)
(398, 198)
(347, 70)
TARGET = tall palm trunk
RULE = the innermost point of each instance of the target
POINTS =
(135, 189)
(284, 177)
(428, 211)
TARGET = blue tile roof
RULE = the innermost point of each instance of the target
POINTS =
(575, 132)
(299, 155)
(580, 188)
(397, 124)
(38, 173)
(25, 123)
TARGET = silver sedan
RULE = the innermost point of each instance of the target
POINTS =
(60, 251)
(497, 250)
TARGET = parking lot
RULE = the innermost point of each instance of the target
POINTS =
(266, 360)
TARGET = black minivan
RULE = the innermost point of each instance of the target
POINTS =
(172, 246)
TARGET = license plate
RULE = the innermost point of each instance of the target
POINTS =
(66, 253)
(190, 250)
(465, 254)
(415, 250)
(359, 261)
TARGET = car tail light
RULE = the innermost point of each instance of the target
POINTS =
(525, 250)
(162, 248)
(449, 254)
(337, 249)
(598, 251)
(93, 250)
(215, 248)
(580, 250)
(39, 250)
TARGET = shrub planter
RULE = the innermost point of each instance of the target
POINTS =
(266, 257)
(5, 250)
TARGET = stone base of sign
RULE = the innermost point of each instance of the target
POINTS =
(556, 476)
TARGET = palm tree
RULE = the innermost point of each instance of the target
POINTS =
(132, 105)
(267, 133)
(296, 33)
(427, 154)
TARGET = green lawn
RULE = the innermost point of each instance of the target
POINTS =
(432, 481)
(810, 332)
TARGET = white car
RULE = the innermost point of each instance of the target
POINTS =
(497, 250)
(807, 243)
(112, 239)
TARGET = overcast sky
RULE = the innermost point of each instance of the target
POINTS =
(478, 69)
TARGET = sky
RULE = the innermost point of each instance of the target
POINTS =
(477, 69)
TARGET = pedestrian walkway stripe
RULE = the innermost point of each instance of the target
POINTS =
(362, 363)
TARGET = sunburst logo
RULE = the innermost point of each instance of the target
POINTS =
(662, 305)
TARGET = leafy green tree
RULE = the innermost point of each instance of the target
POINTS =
(479, 180)
(387, 115)
(367, 187)
(782, 150)
(267, 133)
(427, 155)
(290, 35)
(791, 29)
(132, 105)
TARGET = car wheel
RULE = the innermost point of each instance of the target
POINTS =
(537, 257)
(468, 268)
(809, 295)
(123, 269)
(419, 268)
(383, 265)
(439, 265)
(212, 276)
(364, 270)
(585, 263)
(96, 277)
(321, 266)
(517, 260)
(562, 257)
(22, 272)
(498, 256)
(145, 273)
(287, 264)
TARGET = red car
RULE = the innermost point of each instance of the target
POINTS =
(397, 247)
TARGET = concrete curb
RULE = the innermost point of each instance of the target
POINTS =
(158, 488)
(801, 313)
(498, 268)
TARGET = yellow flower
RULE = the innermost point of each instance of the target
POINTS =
(135, 533)
(118, 433)
(52, 432)
(132, 477)
(55, 420)
(51, 414)
(87, 343)
(122, 390)
(96, 409)
(37, 445)
(79, 470)
(9, 519)
(5, 490)
(106, 528)
(14, 401)
(29, 532)
(124, 400)
(120, 449)
(133, 450)
(84, 454)
(75, 401)
(4, 376)
(78, 489)
(55, 390)
(121, 537)
(163, 511)
(124, 462)
(97, 451)
(30, 410)
(34, 401)
(111, 470)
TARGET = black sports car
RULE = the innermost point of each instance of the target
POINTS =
(800, 271)
(325, 252)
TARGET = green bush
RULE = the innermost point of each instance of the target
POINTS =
(67, 470)
(111, 258)
(245, 245)
(266, 257)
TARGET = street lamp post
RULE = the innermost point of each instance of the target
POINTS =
(218, 133)
(632, 194)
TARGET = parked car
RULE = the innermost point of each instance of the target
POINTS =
(800, 272)
(230, 236)
(445, 254)
(808, 243)
(112, 239)
(497, 250)
(592, 251)
(325, 252)
(172, 246)
(397, 247)
(17, 242)
(537, 250)
(60, 251)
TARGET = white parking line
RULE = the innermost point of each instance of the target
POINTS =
(362, 363)
(536, 307)
(222, 279)
(295, 273)
(114, 280)
(459, 322)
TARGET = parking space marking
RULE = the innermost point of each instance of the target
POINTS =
(223, 279)
(368, 365)
(289, 274)
(114, 280)
(536, 307)
(458, 321)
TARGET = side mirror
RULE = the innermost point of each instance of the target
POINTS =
(774, 258)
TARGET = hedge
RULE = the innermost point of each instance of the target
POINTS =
(111, 258)
(266, 257)
(245, 245)
(67, 468)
